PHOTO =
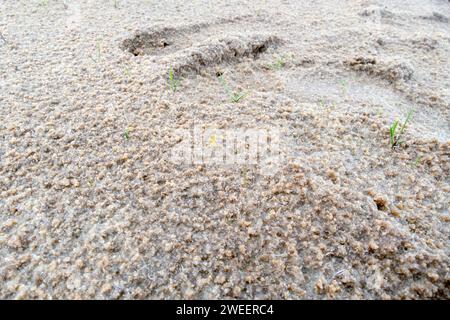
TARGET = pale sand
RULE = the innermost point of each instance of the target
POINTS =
(91, 205)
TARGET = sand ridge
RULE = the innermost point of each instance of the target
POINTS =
(92, 205)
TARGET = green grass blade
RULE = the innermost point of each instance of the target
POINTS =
(408, 118)
(392, 132)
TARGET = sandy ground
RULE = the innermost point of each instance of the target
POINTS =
(93, 206)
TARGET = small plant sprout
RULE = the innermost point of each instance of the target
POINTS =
(396, 133)
(98, 47)
(126, 134)
(322, 103)
(279, 64)
(418, 160)
(234, 97)
(245, 177)
(173, 83)
(126, 71)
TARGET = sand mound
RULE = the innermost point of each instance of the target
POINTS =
(393, 71)
(94, 204)
(215, 52)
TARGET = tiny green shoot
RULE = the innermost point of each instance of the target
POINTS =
(397, 130)
(98, 53)
(173, 83)
(126, 134)
(234, 97)
(279, 64)
(343, 84)
(418, 160)
(322, 103)
(126, 71)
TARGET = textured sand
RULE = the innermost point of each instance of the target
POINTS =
(91, 205)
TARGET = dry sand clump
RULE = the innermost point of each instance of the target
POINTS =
(92, 205)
